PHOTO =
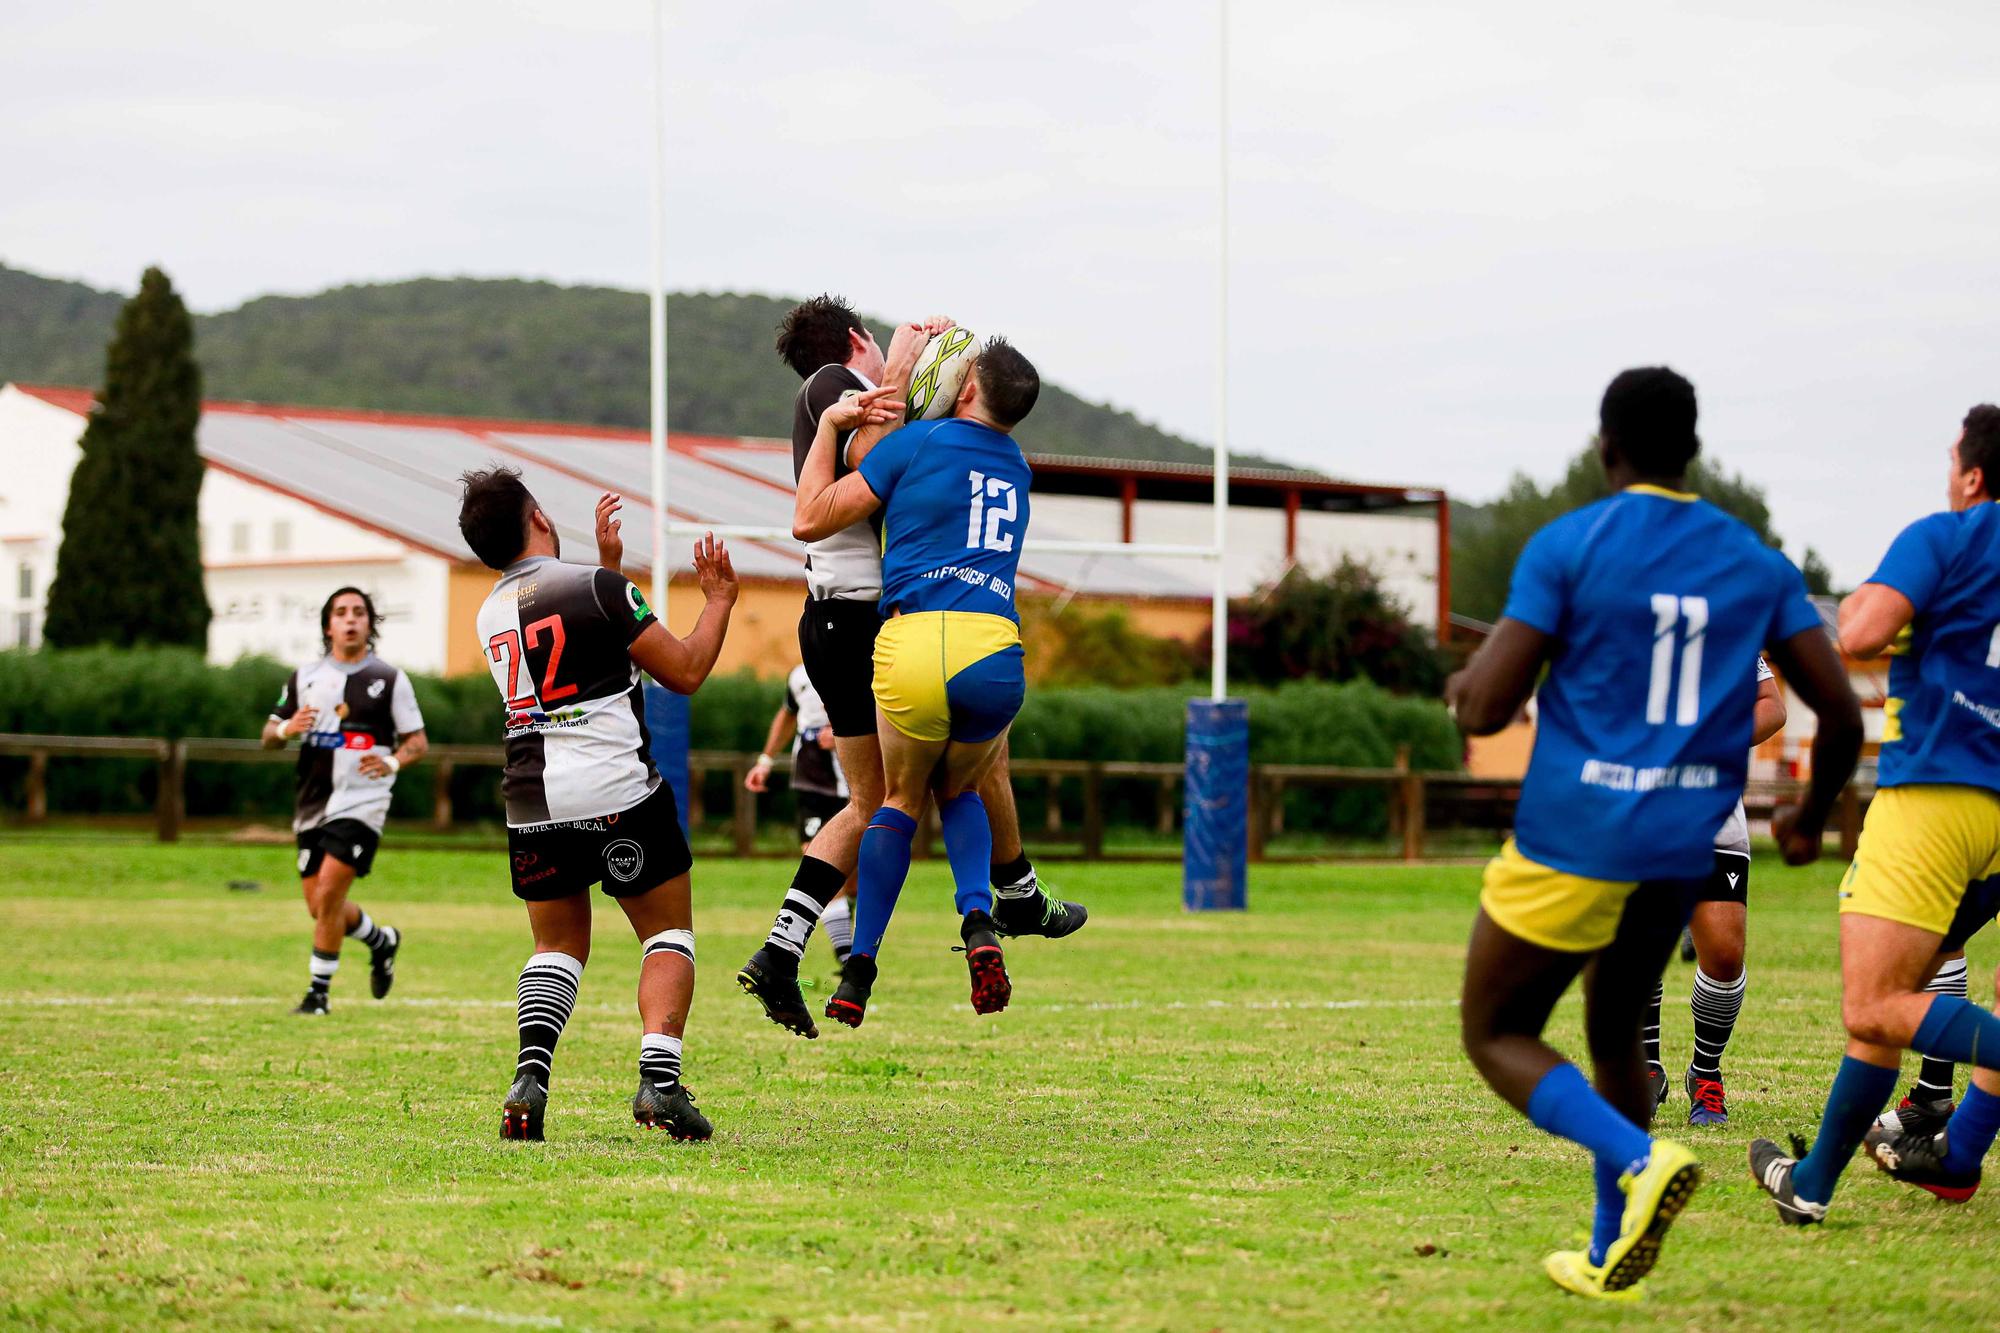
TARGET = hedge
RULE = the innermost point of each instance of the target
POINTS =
(173, 693)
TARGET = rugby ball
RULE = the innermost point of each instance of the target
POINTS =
(940, 374)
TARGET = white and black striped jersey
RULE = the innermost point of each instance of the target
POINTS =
(814, 768)
(556, 637)
(358, 708)
(1735, 834)
(847, 565)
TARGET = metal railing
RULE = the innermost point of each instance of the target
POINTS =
(1415, 797)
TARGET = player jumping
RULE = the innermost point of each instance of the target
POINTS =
(833, 352)
(1932, 829)
(585, 805)
(953, 495)
(1647, 609)
(1718, 931)
(358, 725)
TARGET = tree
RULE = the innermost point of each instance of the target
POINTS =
(1337, 626)
(129, 571)
(1486, 539)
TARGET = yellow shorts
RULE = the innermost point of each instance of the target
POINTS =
(1920, 847)
(949, 675)
(1552, 908)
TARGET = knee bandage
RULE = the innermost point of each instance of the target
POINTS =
(671, 941)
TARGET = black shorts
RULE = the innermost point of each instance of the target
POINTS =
(1729, 882)
(348, 841)
(1980, 905)
(815, 808)
(629, 852)
(837, 645)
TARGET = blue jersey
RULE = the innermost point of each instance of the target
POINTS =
(954, 509)
(1658, 604)
(1942, 719)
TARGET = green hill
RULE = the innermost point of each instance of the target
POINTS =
(506, 348)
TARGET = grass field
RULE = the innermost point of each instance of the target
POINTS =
(1240, 1122)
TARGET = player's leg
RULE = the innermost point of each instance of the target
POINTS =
(968, 841)
(837, 920)
(663, 919)
(1936, 1078)
(1649, 1041)
(329, 896)
(1021, 905)
(1634, 1208)
(352, 842)
(884, 863)
(1716, 1000)
(545, 994)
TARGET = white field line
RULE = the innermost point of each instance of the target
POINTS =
(137, 1001)
(476, 1313)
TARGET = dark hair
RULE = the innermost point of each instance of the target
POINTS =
(1980, 445)
(1647, 417)
(493, 515)
(326, 616)
(814, 333)
(1008, 384)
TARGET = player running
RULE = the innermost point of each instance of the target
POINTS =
(819, 788)
(585, 805)
(953, 495)
(1932, 829)
(1718, 931)
(1648, 610)
(358, 725)
(833, 352)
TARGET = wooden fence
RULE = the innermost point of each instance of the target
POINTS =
(1415, 797)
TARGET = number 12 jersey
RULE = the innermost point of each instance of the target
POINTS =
(1658, 603)
(556, 637)
(954, 499)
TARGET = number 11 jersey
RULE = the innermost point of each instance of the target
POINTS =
(1658, 603)
(556, 638)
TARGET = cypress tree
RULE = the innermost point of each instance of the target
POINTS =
(129, 571)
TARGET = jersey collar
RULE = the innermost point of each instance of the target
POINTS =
(1647, 488)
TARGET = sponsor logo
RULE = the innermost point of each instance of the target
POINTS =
(544, 873)
(624, 859)
(524, 861)
(811, 827)
(357, 850)
(305, 859)
(375, 688)
(636, 600)
(535, 719)
(1732, 880)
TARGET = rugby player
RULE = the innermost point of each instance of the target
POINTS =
(835, 355)
(1717, 930)
(819, 788)
(1932, 830)
(585, 805)
(358, 725)
(1648, 610)
(953, 494)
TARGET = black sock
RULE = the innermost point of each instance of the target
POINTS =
(813, 887)
(1650, 1033)
(547, 993)
(1012, 872)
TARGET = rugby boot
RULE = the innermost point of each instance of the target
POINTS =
(382, 963)
(1919, 1117)
(849, 1003)
(1040, 913)
(521, 1113)
(1919, 1159)
(990, 988)
(314, 1005)
(771, 978)
(1772, 1170)
(672, 1109)
(1706, 1102)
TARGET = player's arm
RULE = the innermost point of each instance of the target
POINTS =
(610, 545)
(782, 726)
(1808, 661)
(1769, 719)
(1493, 687)
(824, 506)
(409, 749)
(905, 346)
(683, 664)
(1871, 618)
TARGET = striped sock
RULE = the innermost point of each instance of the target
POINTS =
(324, 965)
(1935, 1077)
(1716, 1005)
(547, 993)
(367, 932)
(1650, 1033)
(659, 1060)
(813, 887)
(839, 923)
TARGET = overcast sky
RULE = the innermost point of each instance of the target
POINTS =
(1452, 223)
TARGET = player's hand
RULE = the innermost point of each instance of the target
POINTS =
(1799, 844)
(758, 779)
(299, 723)
(713, 570)
(610, 545)
(937, 324)
(906, 344)
(824, 739)
(870, 408)
(371, 765)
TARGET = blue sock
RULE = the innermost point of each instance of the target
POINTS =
(1610, 1217)
(1956, 1029)
(1860, 1091)
(1972, 1129)
(1564, 1104)
(968, 844)
(885, 864)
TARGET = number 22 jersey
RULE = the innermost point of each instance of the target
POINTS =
(556, 637)
(1658, 603)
